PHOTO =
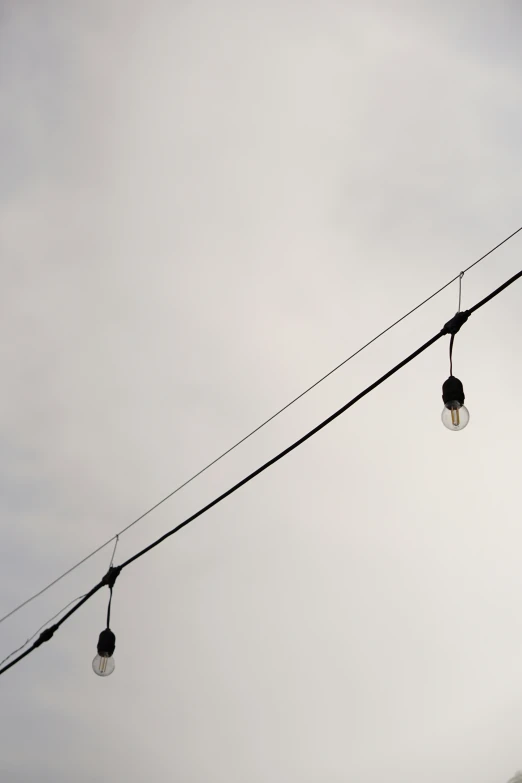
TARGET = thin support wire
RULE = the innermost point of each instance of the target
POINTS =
(460, 290)
(114, 550)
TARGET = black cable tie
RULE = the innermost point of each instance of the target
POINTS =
(46, 635)
(111, 576)
(454, 324)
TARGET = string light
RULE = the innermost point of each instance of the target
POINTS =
(455, 415)
(259, 427)
(103, 663)
(107, 640)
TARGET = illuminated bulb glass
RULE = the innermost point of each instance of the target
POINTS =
(455, 416)
(103, 665)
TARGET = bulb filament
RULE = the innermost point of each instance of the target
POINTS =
(455, 417)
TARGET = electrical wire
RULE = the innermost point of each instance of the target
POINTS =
(451, 327)
(49, 632)
(257, 429)
(109, 606)
(30, 639)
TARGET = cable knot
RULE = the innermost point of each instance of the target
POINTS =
(454, 324)
(46, 635)
(111, 576)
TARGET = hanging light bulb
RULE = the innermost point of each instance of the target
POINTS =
(103, 664)
(455, 415)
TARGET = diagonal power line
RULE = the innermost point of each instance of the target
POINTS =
(253, 432)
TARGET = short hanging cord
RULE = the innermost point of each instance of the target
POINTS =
(452, 338)
(109, 579)
(453, 333)
(109, 609)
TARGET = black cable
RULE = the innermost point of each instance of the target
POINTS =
(39, 629)
(49, 632)
(447, 329)
(451, 327)
(452, 339)
(286, 451)
(461, 318)
(253, 432)
(494, 293)
(109, 609)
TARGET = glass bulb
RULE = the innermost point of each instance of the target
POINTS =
(103, 665)
(455, 416)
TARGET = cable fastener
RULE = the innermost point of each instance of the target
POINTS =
(46, 635)
(111, 576)
(454, 324)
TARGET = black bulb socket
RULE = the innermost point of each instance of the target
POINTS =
(106, 643)
(453, 390)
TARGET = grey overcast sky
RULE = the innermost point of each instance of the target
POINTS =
(203, 208)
